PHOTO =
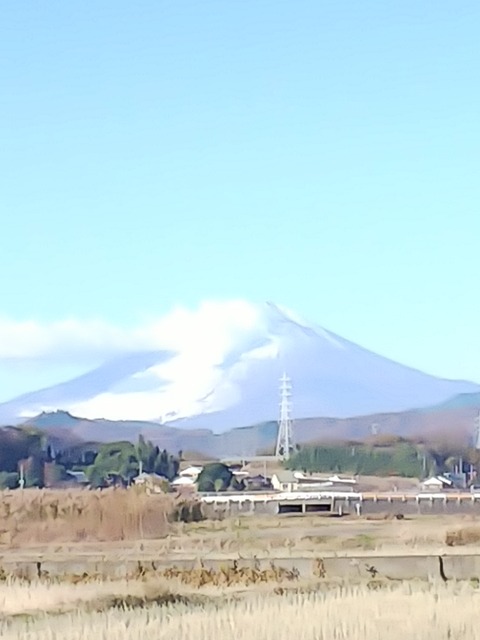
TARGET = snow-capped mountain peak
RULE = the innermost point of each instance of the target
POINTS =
(219, 367)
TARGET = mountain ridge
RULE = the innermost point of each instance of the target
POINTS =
(429, 422)
(219, 385)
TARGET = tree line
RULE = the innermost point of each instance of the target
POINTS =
(123, 461)
(27, 456)
(388, 455)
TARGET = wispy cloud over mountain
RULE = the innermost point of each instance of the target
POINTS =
(216, 366)
(210, 329)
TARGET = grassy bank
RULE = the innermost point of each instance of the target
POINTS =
(343, 613)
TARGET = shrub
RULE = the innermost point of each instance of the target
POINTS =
(214, 477)
(8, 480)
(464, 536)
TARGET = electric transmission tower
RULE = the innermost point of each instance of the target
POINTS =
(476, 433)
(285, 444)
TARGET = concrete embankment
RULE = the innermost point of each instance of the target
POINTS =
(354, 569)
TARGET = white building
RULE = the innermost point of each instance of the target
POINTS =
(191, 472)
(298, 481)
(183, 482)
(285, 481)
(437, 483)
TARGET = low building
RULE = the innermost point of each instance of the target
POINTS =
(342, 481)
(257, 483)
(316, 483)
(184, 482)
(79, 477)
(57, 477)
(240, 475)
(152, 482)
(437, 483)
(459, 480)
(191, 472)
(297, 481)
(285, 481)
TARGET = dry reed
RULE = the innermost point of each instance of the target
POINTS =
(44, 516)
(463, 536)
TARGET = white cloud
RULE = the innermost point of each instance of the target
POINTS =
(207, 332)
(199, 340)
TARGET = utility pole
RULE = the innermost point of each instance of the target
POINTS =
(285, 444)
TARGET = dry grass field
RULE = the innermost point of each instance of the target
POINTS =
(343, 613)
(246, 603)
(120, 524)
(312, 535)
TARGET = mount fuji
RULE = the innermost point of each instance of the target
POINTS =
(231, 382)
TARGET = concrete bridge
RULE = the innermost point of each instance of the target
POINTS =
(341, 502)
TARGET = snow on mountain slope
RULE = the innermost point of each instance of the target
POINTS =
(227, 376)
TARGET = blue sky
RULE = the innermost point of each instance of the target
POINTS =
(323, 155)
